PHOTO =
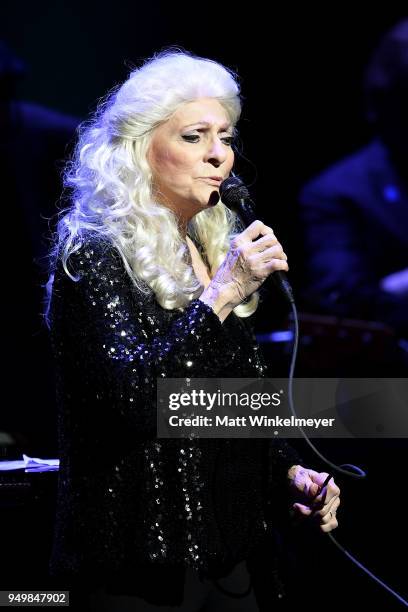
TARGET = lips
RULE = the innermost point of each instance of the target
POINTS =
(215, 180)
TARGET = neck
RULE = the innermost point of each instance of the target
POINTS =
(182, 226)
(183, 216)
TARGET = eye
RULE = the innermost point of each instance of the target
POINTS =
(191, 137)
(227, 140)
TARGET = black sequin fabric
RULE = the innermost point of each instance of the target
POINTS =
(125, 497)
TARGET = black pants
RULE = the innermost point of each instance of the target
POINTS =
(199, 596)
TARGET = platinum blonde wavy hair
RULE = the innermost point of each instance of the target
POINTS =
(111, 181)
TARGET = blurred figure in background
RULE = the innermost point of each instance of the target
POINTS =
(32, 140)
(354, 219)
(355, 214)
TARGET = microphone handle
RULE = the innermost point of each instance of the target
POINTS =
(246, 213)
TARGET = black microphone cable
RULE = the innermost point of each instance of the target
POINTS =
(235, 195)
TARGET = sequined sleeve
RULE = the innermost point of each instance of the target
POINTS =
(281, 455)
(128, 344)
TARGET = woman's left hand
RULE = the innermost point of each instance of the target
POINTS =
(305, 484)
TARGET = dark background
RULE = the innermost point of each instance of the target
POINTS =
(301, 81)
(300, 73)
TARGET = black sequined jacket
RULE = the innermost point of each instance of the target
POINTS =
(128, 502)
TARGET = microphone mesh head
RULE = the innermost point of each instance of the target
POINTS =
(232, 190)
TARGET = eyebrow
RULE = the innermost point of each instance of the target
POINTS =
(228, 125)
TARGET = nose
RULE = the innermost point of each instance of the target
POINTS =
(217, 153)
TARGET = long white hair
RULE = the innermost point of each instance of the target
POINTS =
(111, 188)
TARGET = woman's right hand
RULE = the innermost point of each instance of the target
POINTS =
(254, 254)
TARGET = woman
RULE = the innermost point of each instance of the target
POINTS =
(152, 278)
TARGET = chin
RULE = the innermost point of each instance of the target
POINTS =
(211, 199)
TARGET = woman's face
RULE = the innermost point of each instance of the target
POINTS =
(193, 145)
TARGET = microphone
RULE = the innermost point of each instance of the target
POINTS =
(235, 195)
